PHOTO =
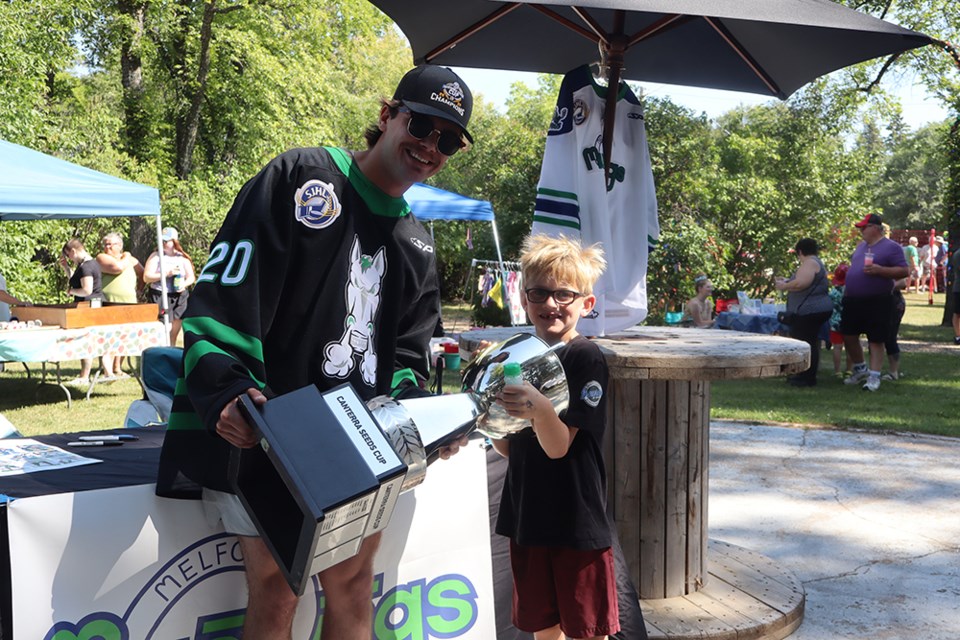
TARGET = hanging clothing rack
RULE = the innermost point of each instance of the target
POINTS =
(502, 267)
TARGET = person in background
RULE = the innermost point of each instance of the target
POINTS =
(876, 264)
(807, 297)
(120, 273)
(177, 277)
(698, 311)
(554, 496)
(913, 264)
(320, 275)
(928, 265)
(940, 264)
(7, 299)
(85, 284)
(836, 338)
(891, 346)
(955, 292)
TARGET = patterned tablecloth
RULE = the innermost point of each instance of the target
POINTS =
(58, 345)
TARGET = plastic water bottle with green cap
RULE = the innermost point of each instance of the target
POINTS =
(512, 373)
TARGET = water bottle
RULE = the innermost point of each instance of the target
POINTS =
(177, 280)
(512, 374)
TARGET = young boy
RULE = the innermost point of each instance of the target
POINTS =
(553, 507)
(836, 338)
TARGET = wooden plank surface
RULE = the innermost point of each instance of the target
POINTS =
(737, 603)
(86, 316)
(668, 353)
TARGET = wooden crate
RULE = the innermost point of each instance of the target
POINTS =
(80, 314)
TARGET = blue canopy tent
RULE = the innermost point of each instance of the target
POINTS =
(36, 186)
(431, 203)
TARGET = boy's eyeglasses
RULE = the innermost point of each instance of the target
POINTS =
(560, 296)
(421, 127)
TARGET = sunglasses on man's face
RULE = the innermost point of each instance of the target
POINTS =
(560, 296)
(421, 127)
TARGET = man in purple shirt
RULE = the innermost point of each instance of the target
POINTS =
(876, 264)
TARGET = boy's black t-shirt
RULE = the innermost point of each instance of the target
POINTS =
(562, 503)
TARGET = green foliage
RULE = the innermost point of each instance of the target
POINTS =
(502, 167)
(913, 185)
(735, 194)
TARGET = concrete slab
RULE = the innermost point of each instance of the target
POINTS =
(869, 523)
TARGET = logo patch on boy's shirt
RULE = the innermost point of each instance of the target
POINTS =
(592, 393)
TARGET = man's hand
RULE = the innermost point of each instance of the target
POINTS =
(453, 448)
(233, 427)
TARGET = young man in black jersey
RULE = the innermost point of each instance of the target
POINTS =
(318, 275)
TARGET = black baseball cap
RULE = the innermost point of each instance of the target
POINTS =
(870, 218)
(436, 91)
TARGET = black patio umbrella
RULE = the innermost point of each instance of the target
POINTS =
(770, 47)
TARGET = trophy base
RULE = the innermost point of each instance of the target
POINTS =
(321, 480)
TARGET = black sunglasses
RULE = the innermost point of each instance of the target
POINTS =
(421, 127)
(560, 296)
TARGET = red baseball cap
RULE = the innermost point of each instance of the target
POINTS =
(870, 218)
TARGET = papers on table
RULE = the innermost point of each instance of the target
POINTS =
(28, 456)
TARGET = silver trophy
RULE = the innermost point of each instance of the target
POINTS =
(330, 467)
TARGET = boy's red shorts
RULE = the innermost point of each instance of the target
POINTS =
(836, 337)
(574, 588)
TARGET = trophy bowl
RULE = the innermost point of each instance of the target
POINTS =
(483, 379)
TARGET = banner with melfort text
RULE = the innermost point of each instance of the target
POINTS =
(122, 564)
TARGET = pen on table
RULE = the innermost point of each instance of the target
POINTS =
(105, 437)
(95, 443)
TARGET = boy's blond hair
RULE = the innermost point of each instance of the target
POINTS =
(564, 259)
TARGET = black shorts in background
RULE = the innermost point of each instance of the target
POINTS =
(176, 301)
(870, 315)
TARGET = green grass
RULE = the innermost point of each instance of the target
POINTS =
(927, 400)
(37, 408)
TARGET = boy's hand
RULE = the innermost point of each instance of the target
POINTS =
(523, 401)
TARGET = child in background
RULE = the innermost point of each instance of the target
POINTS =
(553, 507)
(836, 338)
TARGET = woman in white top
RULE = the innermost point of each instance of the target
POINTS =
(177, 277)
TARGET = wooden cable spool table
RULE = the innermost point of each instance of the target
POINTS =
(657, 454)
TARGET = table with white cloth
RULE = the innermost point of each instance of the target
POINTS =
(50, 344)
(656, 449)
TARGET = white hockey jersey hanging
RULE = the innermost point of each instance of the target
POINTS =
(575, 199)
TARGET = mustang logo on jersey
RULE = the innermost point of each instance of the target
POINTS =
(363, 300)
(316, 204)
(559, 115)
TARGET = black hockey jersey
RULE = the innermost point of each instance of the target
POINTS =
(315, 277)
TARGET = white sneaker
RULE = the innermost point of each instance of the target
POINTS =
(857, 376)
(872, 384)
(79, 383)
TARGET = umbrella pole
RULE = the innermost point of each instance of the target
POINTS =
(612, 51)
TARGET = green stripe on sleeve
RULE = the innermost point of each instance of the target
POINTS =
(556, 221)
(558, 194)
(184, 420)
(242, 342)
(197, 351)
